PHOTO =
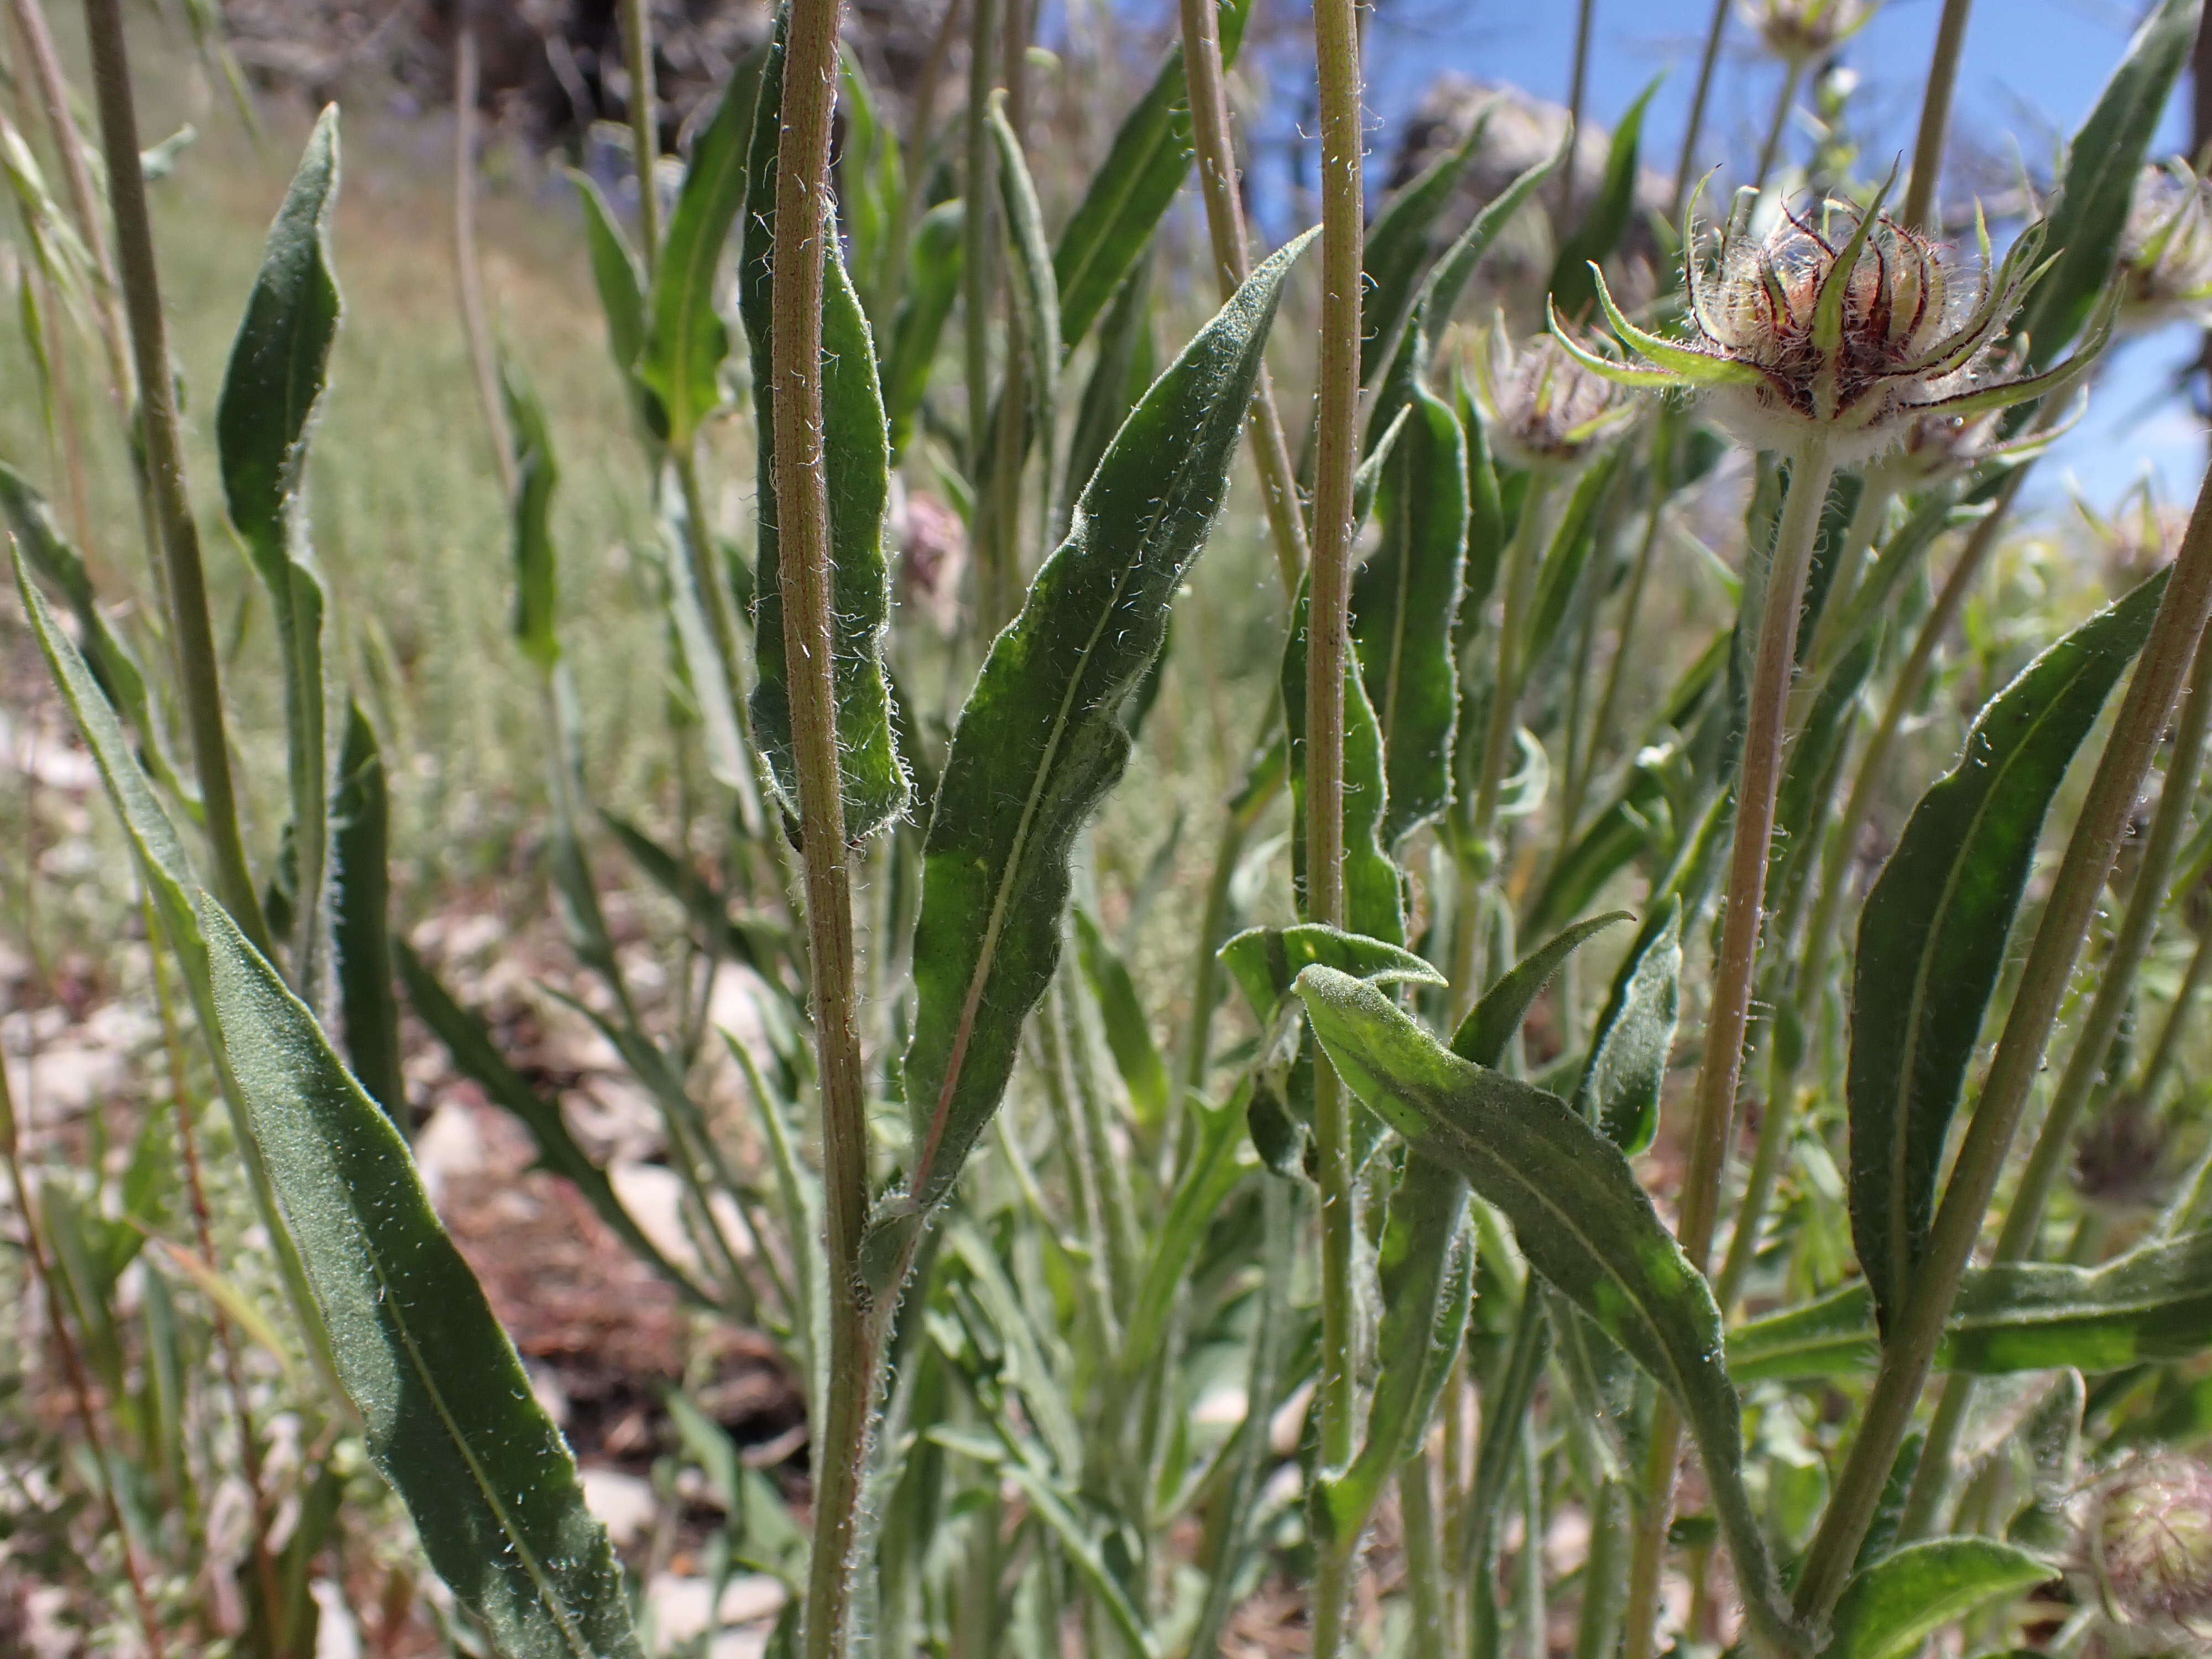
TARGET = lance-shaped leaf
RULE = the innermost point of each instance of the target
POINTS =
(1607, 220)
(1931, 940)
(2090, 213)
(619, 278)
(1492, 1024)
(1040, 740)
(1890, 1609)
(276, 375)
(1036, 291)
(1398, 245)
(685, 339)
(448, 1414)
(1404, 599)
(1266, 962)
(1128, 1033)
(933, 282)
(1579, 1216)
(1124, 366)
(360, 837)
(2153, 1304)
(537, 476)
(1619, 1089)
(856, 459)
(1576, 537)
(1126, 197)
(1373, 895)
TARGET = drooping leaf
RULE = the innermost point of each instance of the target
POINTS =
(1619, 1089)
(1890, 1609)
(476, 1057)
(1128, 1033)
(1579, 1216)
(685, 339)
(1040, 741)
(1931, 939)
(2090, 212)
(1373, 899)
(856, 461)
(1606, 220)
(537, 474)
(1126, 197)
(276, 376)
(1492, 1024)
(620, 279)
(1404, 599)
(448, 1414)
(1267, 961)
(933, 282)
(360, 839)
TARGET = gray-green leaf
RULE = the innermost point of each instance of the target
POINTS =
(1619, 1090)
(446, 1412)
(1267, 961)
(1931, 940)
(1890, 1608)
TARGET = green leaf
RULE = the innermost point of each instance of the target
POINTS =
(685, 339)
(1890, 1608)
(1830, 1336)
(1404, 599)
(1041, 742)
(1374, 901)
(537, 474)
(1036, 290)
(2090, 212)
(856, 453)
(478, 1057)
(276, 376)
(749, 939)
(1573, 289)
(361, 833)
(447, 1415)
(1440, 295)
(1931, 940)
(1492, 1024)
(1399, 244)
(1128, 1033)
(1619, 1090)
(1129, 194)
(620, 279)
(1124, 366)
(1203, 1185)
(933, 282)
(1581, 527)
(1578, 1214)
(1267, 961)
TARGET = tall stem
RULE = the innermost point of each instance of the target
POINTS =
(802, 208)
(1224, 224)
(1936, 113)
(1695, 128)
(1578, 87)
(1336, 51)
(467, 271)
(1770, 148)
(1733, 971)
(1910, 1347)
(645, 125)
(186, 581)
(2115, 990)
(978, 237)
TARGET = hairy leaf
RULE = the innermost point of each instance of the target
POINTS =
(360, 834)
(1492, 1024)
(1573, 289)
(1931, 939)
(933, 282)
(620, 279)
(448, 1414)
(1040, 741)
(1619, 1089)
(1401, 242)
(1890, 1609)
(1578, 1214)
(1128, 1033)
(1374, 901)
(1267, 961)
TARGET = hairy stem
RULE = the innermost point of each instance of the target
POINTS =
(2084, 1066)
(1578, 89)
(1910, 1349)
(185, 581)
(978, 237)
(1224, 224)
(1936, 113)
(1336, 50)
(802, 208)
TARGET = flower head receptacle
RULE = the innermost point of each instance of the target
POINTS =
(2165, 250)
(1843, 328)
(1544, 407)
(1803, 32)
(2145, 1546)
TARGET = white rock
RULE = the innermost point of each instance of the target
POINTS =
(623, 1503)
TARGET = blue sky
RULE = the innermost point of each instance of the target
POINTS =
(2033, 69)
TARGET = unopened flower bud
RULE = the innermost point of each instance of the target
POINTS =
(1544, 407)
(1803, 32)
(2146, 1546)
(2165, 250)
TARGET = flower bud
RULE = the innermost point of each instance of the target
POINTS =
(1802, 32)
(2165, 250)
(2146, 1545)
(1543, 406)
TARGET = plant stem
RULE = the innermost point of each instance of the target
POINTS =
(1733, 972)
(1336, 51)
(1792, 78)
(468, 272)
(1577, 89)
(1695, 129)
(1430, 1634)
(1600, 731)
(1936, 113)
(979, 245)
(645, 126)
(1224, 224)
(1520, 561)
(186, 581)
(2177, 1020)
(2084, 1066)
(802, 208)
(1910, 1349)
